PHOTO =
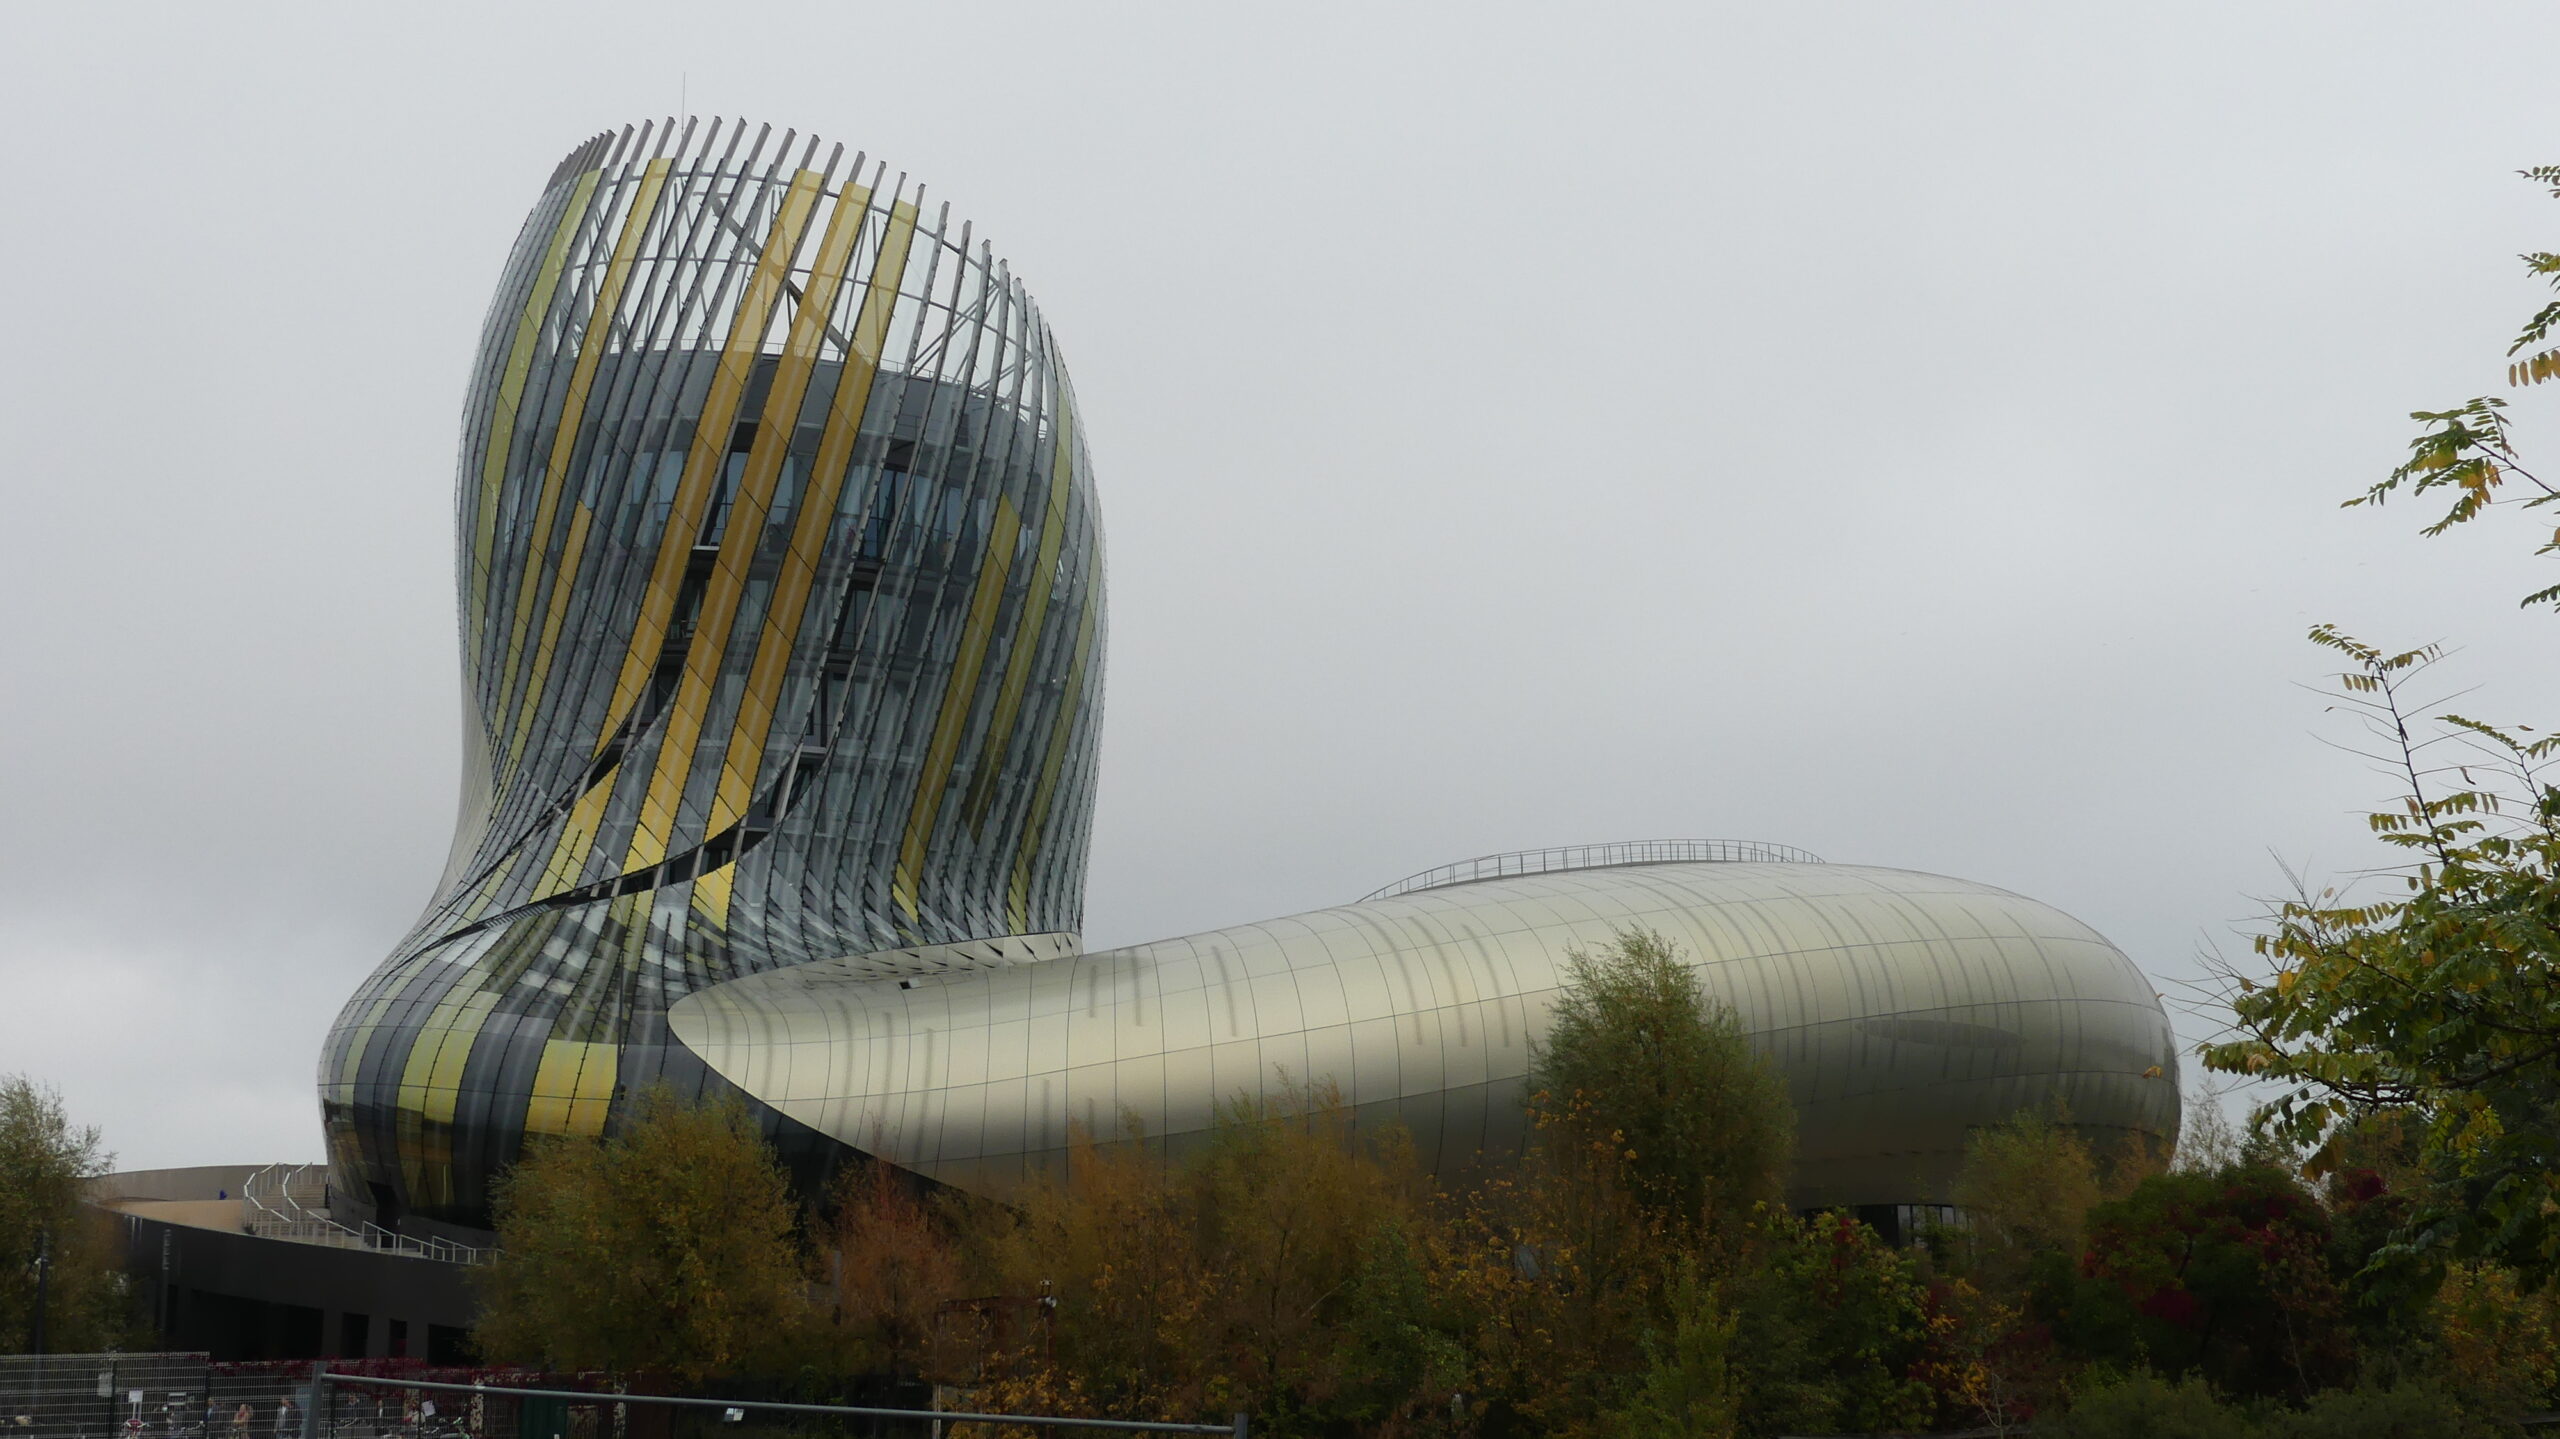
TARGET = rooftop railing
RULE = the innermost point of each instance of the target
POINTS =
(276, 1203)
(1597, 856)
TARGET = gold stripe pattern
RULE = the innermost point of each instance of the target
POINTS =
(564, 444)
(978, 630)
(744, 529)
(511, 383)
(690, 697)
(1018, 893)
(1026, 632)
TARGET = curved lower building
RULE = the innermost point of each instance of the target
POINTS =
(1904, 1010)
(781, 601)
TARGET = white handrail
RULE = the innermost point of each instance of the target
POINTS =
(1597, 856)
(269, 1210)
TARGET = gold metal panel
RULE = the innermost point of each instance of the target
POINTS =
(788, 606)
(711, 892)
(577, 837)
(502, 415)
(365, 1029)
(978, 631)
(720, 598)
(572, 1088)
(2033, 1007)
(1026, 632)
(573, 550)
(564, 444)
(703, 463)
(1018, 894)
(434, 1072)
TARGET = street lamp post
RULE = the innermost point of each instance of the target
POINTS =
(44, 1269)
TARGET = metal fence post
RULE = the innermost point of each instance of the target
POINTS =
(1243, 1423)
(311, 1411)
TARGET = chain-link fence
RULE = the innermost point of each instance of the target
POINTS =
(185, 1396)
(149, 1396)
(361, 1406)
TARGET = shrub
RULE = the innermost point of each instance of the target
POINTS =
(2144, 1406)
(2408, 1412)
(2224, 1275)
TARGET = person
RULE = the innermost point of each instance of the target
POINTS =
(288, 1422)
(240, 1421)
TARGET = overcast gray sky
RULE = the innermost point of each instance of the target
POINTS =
(1911, 432)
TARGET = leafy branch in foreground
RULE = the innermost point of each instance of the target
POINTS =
(2445, 1000)
(2470, 449)
(2440, 1005)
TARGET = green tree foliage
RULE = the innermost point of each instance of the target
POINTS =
(1691, 1385)
(2405, 1411)
(2443, 1001)
(45, 1163)
(1560, 1276)
(2026, 1190)
(667, 1249)
(2142, 1405)
(1293, 1206)
(1837, 1327)
(1657, 1137)
(2469, 449)
(1637, 1057)
(2492, 1342)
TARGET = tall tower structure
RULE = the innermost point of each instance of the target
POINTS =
(782, 631)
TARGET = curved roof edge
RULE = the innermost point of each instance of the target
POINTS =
(1596, 856)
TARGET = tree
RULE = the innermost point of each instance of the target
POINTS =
(1104, 1245)
(1638, 1058)
(668, 1248)
(2224, 1275)
(891, 1266)
(45, 1165)
(1278, 1271)
(1837, 1329)
(2494, 1343)
(1560, 1274)
(2026, 1190)
(1290, 1206)
(2442, 1002)
(2143, 1406)
(1689, 1388)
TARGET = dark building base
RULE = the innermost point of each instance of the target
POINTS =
(238, 1296)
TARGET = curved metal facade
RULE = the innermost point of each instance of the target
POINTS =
(782, 640)
(1903, 1009)
(781, 593)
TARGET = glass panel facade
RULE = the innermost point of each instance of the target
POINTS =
(782, 641)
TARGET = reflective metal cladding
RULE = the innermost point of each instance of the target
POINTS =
(782, 633)
(782, 640)
(1903, 1009)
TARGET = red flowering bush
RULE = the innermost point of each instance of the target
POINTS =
(2228, 1275)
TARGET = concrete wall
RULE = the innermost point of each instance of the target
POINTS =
(240, 1296)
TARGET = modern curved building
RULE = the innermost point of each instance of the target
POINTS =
(782, 635)
(1903, 1009)
(782, 641)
